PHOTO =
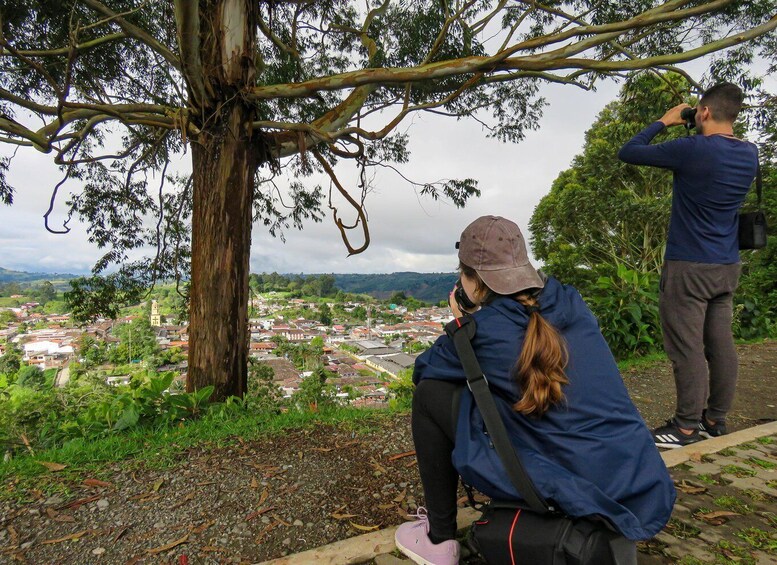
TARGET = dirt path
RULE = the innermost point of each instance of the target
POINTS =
(257, 500)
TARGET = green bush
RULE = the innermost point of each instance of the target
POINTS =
(401, 391)
(626, 305)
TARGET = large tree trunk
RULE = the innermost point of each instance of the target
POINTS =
(224, 161)
(224, 164)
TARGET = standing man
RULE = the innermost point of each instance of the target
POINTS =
(712, 174)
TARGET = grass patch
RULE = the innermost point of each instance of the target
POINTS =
(728, 552)
(727, 452)
(161, 447)
(644, 362)
(708, 479)
(759, 539)
(681, 530)
(689, 560)
(732, 503)
(683, 467)
(748, 446)
(757, 495)
(738, 471)
(651, 547)
(772, 484)
(763, 464)
(765, 440)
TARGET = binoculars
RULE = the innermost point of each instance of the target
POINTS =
(689, 115)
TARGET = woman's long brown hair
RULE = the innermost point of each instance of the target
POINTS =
(544, 355)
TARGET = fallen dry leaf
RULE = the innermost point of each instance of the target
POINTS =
(80, 502)
(97, 483)
(184, 500)
(323, 449)
(265, 494)
(145, 497)
(401, 496)
(167, 546)
(337, 516)
(70, 537)
(120, 533)
(377, 466)
(202, 527)
(254, 483)
(207, 548)
(363, 528)
(401, 455)
(695, 457)
(259, 512)
(265, 531)
(158, 485)
(717, 518)
(53, 467)
(347, 444)
(385, 506)
(280, 520)
(690, 488)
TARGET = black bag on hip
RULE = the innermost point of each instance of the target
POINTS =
(505, 534)
(752, 230)
(752, 225)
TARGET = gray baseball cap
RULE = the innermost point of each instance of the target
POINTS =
(495, 248)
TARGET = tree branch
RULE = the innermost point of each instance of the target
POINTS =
(188, 18)
(62, 51)
(136, 32)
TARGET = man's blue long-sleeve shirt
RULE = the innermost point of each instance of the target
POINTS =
(712, 174)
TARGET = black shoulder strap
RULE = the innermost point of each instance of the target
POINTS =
(461, 331)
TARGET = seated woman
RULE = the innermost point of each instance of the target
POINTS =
(558, 390)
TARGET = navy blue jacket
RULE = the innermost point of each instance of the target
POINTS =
(712, 174)
(593, 454)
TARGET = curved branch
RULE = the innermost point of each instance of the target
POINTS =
(359, 209)
(136, 32)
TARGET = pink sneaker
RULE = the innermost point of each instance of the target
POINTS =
(412, 539)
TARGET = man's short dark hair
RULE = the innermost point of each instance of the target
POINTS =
(724, 101)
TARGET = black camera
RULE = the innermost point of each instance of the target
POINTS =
(689, 115)
(462, 299)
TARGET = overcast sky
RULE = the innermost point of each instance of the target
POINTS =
(408, 232)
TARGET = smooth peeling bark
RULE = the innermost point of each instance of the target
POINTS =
(224, 163)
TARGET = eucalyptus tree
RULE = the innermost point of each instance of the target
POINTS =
(252, 88)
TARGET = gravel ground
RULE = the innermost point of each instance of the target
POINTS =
(256, 500)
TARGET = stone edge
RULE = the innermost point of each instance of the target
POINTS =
(362, 548)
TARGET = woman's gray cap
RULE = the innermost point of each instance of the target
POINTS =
(495, 248)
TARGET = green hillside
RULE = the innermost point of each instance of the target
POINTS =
(23, 278)
(429, 287)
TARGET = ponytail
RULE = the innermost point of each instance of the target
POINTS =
(540, 368)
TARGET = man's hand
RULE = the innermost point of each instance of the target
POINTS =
(672, 116)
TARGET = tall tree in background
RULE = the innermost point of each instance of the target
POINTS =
(242, 85)
(621, 213)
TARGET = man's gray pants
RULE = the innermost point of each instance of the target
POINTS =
(696, 307)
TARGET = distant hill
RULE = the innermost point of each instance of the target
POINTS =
(429, 287)
(21, 277)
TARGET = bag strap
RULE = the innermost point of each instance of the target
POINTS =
(461, 331)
